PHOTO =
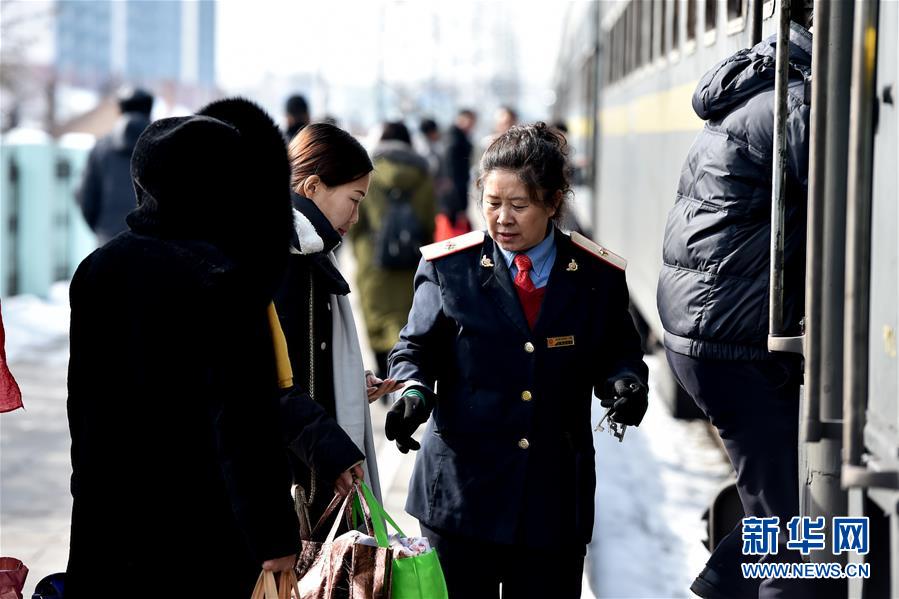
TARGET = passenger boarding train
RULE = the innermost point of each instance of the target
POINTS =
(626, 73)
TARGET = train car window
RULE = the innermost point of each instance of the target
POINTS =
(736, 20)
(615, 53)
(605, 52)
(663, 32)
(675, 25)
(625, 23)
(711, 21)
(691, 20)
(617, 57)
(628, 40)
(711, 14)
(635, 36)
(638, 34)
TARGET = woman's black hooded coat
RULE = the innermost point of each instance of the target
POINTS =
(180, 479)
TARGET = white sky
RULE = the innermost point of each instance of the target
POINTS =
(342, 40)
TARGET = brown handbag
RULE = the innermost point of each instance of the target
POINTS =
(350, 566)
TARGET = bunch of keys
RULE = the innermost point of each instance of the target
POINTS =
(615, 429)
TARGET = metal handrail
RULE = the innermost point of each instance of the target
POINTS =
(811, 417)
(776, 340)
(858, 243)
(825, 266)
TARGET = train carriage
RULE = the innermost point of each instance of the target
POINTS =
(625, 77)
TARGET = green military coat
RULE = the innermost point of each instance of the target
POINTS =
(386, 295)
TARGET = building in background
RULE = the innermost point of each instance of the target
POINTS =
(142, 42)
(66, 55)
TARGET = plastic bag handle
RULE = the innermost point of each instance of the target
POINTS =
(376, 514)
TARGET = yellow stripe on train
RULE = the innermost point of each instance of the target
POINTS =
(666, 111)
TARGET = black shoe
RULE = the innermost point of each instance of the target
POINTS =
(710, 585)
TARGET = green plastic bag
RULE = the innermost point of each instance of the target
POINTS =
(416, 577)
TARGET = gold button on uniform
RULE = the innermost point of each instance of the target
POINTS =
(529, 347)
(526, 396)
(524, 444)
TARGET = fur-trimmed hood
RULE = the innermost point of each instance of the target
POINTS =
(220, 176)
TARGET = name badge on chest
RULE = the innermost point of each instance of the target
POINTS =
(566, 341)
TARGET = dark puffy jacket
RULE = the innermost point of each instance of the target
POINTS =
(106, 195)
(713, 287)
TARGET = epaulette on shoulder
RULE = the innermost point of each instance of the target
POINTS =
(453, 245)
(597, 250)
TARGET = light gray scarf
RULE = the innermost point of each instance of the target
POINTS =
(350, 397)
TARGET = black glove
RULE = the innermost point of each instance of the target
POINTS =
(631, 398)
(406, 415)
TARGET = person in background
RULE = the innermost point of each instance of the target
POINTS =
(296, 111)
(430, 146)
(713, 292)
(506, 118)
(173, 390)
(433, 150)
(510, 334)
(106, 195)
(330, 176)
(394, 223)
(453, 219)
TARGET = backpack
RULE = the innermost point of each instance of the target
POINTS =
(398, 242)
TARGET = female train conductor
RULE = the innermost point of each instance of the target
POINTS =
(510, 334)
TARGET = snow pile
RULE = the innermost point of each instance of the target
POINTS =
(37, 329)
(651, 492)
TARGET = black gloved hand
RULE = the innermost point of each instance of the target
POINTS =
(631, 398)
(406, 415)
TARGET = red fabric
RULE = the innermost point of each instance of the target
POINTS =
(12, 575)
(445, 229)
(10, 395)
(531, 298)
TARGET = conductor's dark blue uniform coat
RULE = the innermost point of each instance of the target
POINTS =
(508, 451)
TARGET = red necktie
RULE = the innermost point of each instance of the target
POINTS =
(530, 296)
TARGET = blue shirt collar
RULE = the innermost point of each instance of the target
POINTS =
(540, 256)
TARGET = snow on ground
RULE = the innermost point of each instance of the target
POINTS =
(35, 504)
(35, 326)
(651, 492)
